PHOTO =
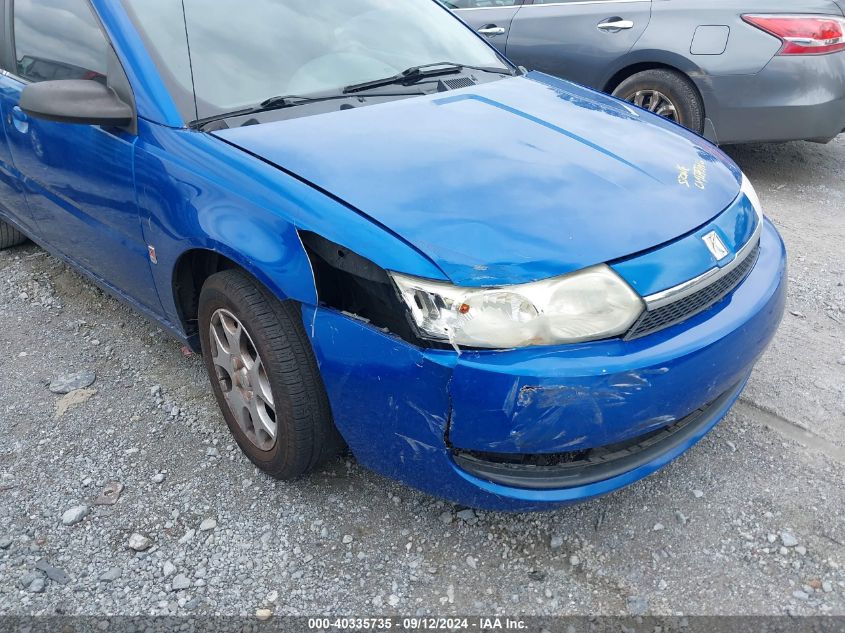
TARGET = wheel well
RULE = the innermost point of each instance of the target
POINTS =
(191, 272)
(628, 71)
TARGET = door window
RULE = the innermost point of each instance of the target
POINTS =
(480, 4)
(58, 39)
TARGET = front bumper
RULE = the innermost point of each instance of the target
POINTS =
(793, 98)
(580, 468)
(412, 414)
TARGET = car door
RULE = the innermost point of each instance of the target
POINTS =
(574, 39)
(12, 202)
(490, 18)
(79, 181)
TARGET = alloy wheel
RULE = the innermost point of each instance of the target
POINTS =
(655, 101)
(243, 379)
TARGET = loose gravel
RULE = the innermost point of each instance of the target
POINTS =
(751, 521)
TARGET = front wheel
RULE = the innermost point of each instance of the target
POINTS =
(667, 93)
(10, 236)
(264, 376)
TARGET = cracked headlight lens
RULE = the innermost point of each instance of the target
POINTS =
(590, 304)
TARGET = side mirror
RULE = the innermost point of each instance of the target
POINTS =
(82, 101)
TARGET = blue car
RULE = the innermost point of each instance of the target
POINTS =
(498, 287)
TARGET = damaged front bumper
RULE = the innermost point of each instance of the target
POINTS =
(524, 429)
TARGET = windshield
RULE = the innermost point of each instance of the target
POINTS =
(242, 55)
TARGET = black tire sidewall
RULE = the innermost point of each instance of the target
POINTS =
(676, 87)
(10, 236)
(277, 458)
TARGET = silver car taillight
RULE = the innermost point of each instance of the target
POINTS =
(803, 34)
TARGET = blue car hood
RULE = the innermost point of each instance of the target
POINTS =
(509, 181)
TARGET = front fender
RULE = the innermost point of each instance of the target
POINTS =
(200, 193)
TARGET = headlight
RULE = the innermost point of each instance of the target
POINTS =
(751, 194)
(591, 304)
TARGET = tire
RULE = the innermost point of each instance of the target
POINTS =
(671, 85)
(305, 435)
(10, 236)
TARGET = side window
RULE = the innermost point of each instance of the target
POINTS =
(58, 39)
(480, 4)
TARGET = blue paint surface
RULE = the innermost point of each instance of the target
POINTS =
(505, 182)
(681, 260)
(392, 401)
(510, 181)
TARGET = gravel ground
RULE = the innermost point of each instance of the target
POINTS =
(751, 521)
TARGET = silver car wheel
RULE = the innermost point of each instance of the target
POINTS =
(655, 101)
(243, 379)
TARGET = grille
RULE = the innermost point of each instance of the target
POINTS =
(682, 309)
(462, 82)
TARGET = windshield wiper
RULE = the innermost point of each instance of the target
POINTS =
(289, 101)
(418, 73)
(281, 102)
(273, 103)
(406, 77)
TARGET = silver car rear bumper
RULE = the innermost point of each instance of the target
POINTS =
(792, 98)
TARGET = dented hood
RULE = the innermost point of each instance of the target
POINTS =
(510, 181)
